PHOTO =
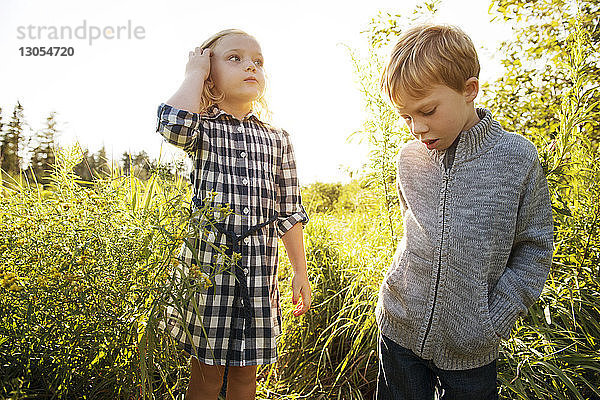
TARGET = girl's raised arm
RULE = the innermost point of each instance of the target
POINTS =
(178, 120)
(187, 97)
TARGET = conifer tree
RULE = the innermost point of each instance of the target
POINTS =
(42, 159)
(101, 166)
(85, 167)
(126, 160)
(141, 165)
(10, 146)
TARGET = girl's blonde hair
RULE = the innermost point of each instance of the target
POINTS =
(426, 55)
(211, 95)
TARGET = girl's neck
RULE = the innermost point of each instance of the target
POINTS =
(239, 111)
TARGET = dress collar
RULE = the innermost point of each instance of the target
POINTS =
(214, 112)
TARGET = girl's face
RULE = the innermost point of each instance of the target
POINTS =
(236, 69)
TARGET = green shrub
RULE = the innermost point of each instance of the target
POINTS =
(84, 272)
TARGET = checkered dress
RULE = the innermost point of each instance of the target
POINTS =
(250, 165)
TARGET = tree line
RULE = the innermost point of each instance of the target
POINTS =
(33, 153)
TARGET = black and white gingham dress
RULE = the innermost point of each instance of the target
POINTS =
(250, 165)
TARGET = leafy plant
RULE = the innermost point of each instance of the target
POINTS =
(554, 352)
(85, 273)
(525, 98)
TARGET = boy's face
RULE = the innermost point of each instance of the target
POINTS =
(438, 118)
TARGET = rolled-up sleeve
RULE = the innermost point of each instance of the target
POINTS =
(289, 201)
(178, 127)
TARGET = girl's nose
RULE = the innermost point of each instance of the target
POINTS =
(250, 66)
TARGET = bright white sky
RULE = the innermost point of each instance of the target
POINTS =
(108, 92)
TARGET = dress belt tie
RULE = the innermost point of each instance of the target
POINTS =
(240, 281)
(241, 286)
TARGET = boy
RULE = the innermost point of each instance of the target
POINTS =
(478, 227)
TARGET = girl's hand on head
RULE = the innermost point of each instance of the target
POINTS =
(301, 293)
(198, 64)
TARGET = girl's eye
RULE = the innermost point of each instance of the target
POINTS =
(233, 58)
(259, 63)
(406, 118)
(428, 113)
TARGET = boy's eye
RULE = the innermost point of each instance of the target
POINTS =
(259, 63)
(233, 57)
(427, 113)
(406, 117)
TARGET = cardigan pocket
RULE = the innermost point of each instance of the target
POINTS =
(469, 330)
(394, 285)
(406, 283)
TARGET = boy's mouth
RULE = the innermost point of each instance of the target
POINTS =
(430, 143)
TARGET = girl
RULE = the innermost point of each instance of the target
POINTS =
(242, 161)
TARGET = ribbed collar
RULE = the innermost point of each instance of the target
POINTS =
(474, 141)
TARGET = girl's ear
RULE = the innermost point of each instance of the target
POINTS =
(471, 89)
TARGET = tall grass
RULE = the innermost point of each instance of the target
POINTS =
(330, 352)
(86, 269)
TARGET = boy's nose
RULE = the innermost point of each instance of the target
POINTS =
(250, 66)
(419, 128)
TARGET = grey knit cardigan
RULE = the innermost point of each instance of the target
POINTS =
(476, 250)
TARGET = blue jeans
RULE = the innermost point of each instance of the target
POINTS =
(405, 376)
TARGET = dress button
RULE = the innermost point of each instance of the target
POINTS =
(247, 240)
(243, 154)
(240, 129)
(246, 271)
(246, 210)
(245, 181)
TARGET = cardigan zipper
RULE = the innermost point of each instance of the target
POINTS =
(439, 268)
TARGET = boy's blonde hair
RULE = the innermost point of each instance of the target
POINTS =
(210, 94)
(426, 55)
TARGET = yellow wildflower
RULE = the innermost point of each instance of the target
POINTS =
(202, 277)
(15, 288)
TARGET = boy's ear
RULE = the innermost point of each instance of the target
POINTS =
(471, 89)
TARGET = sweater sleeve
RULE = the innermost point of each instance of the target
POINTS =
(401, 199)
(178, 127)
(531, 257)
